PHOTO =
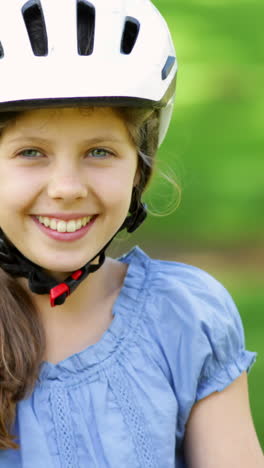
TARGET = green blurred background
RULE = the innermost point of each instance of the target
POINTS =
(215, 147)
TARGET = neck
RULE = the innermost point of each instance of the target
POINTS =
(86, 314)
(92, 291)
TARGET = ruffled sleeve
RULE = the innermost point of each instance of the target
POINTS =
(226, 357)
(199, 333)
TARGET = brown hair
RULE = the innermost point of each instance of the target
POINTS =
(22, 336)
(22, 344)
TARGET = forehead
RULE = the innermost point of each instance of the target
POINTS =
(71, 120)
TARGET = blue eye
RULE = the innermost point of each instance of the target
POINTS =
(30, 153)
(100, 153)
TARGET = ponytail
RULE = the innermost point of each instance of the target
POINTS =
(22, 344)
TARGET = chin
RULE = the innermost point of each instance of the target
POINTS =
(58, 275)
(63, 269)
(58, 261)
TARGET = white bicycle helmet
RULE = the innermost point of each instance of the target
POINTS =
(99, 52)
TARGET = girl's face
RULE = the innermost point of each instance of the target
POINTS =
(64, 165)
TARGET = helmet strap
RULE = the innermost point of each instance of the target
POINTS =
(14, 263)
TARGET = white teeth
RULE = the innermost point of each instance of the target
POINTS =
(46, 222)
(72, 226)
(61, 226)
(53, 224)
(78, 224)
(64, 226)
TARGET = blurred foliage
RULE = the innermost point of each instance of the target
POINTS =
(216, 139)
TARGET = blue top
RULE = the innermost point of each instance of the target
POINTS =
(176, 337)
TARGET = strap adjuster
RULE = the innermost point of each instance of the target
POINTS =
(77, 274)
(57, 293)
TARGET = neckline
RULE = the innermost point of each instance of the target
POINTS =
(125, 317)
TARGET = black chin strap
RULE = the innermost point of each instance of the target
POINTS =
(14, 263)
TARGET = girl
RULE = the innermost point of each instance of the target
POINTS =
(104, 363)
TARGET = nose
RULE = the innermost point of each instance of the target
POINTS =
(67, 184)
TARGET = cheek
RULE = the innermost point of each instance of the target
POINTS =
(17, 188)
(115, 187)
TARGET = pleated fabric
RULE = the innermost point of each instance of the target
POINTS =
(176, 337)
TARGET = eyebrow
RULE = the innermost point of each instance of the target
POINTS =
(90, 141)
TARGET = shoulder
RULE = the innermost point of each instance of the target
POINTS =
(194, 320)
(190, 331)
(181, 298)
(189, 293)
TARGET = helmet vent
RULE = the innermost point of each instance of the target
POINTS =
(36, 28)
(85, 27)
(1, 51)
(130, 35)
(168, 67)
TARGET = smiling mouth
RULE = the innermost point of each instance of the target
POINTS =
(59, 225)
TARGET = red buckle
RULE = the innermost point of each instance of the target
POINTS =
(77, 274)
(58, 291)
